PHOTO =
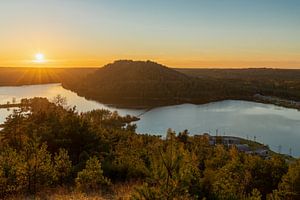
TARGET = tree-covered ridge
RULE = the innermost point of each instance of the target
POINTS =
(148, 84)
(136, 71)
(282, 83)
(46, 145)
(130, 83)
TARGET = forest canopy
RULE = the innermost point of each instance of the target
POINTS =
(46, 145)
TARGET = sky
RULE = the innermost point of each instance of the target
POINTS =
(176, 33)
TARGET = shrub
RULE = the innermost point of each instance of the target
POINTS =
(91, 178)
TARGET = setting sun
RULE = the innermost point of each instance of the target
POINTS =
(39, 58)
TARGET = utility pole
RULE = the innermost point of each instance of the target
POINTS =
(279, 149)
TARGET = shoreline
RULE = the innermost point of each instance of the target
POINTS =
(273, 100)
(286, 103)
(256, 98)
(244, 145)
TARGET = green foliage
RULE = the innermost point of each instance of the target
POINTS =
(171, 173)
(35, 169)
(12, 134)
(220, 158)
(275, 195)
(131, 156)
(229, 181)
(289, 188)
(91, 178)
(255, 195)
(48, 144)
(62, 166)
(9, 161)
(27, 170)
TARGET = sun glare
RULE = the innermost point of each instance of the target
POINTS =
(39, 58)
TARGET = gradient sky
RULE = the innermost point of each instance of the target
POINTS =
(177, 33)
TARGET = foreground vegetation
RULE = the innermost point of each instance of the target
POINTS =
(48, 150)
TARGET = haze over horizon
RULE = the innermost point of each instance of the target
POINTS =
(90, 33)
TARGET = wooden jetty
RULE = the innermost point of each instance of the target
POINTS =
(3, 106)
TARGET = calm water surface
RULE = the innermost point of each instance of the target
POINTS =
(269, 124)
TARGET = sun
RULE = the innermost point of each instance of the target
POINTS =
(39, 58)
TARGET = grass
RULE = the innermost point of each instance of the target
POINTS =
(117, 192)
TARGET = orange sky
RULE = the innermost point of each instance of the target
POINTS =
(76, 33)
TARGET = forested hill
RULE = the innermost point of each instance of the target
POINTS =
(128, 70)
(147, 84)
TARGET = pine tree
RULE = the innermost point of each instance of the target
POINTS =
(91, 178)
(62, 166)
(9, 159)
(35, 169)
(171, 172)
(289, 188)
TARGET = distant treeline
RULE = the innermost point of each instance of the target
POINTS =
(45, 146)
(283, 83)
(147, 84)
(11, 76)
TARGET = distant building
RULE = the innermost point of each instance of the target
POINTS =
(243, 148)
(231, 141)
(225, 140)
(261, 152)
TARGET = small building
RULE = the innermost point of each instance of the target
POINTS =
(243, 148)
(225, 140)
(261, 152)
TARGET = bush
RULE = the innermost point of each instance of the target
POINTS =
(62, 166)
(91, 178)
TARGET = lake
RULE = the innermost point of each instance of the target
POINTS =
(269, 124)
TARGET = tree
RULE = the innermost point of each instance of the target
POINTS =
(9, 160)
(171, 174)
(62, 165)
(183, 136)
(255, 195)
(91, 178)
(289, 188)
(130, 157)
(13, 134)
(275, 195)
(219, 158)
(35, 168)
(228, 182)
(59, 100)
